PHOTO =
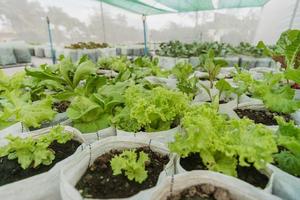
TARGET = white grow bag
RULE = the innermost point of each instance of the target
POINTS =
(237, 189)
(160, 136)
(285, 185)
(73, 170)
(43, 186)
(268, 172)
(95, 136)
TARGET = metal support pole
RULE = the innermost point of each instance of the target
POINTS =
(51, 43)
(145, 35)
(294, 14)
(103, 24)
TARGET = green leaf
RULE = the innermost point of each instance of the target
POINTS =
(83, 71)
(133, 168)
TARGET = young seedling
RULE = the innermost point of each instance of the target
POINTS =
(131, 164)
(212, 66)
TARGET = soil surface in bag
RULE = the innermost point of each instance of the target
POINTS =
(61, 106)
(248, 174)
(261, 116)
(220, 102)
(201, 192)
(11, 171)
(99, 181)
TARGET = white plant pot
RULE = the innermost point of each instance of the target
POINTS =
(72, 172)
(166, 62)
(95, 136)
(285, 185)
(43, 186)
(268, 172)
(238, 190)
(159, 136)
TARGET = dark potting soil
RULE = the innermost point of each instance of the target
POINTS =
(192, 162)
(11, 171)
(248, 174)
(61, 106)
(253, 176)
(201, 192)
(220, 102)
(261, 116)
(99, 181)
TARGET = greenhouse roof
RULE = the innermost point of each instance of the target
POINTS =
(154, 7)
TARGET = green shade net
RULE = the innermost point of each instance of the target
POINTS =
(142, 7)
(241, 3)
(187, 5)
(136, 6)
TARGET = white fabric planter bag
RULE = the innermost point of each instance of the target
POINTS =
(16, 129)
(170, 83)
(194, 61)
(297, 94)
(201, 75)
(285, 185)
(249, 62)
(182, 60)
(263, 70)
(263, 62)
(166, 62)
(226, 72)
(59, 52)
(48, 53)
(239, 190)
(126, 51)
(231, 60)
(268, 172)
(73, 170)
(39, 52)
(91, 53)
(107, 72)
(159, 136)
(202, 95)
(72, 53)
(43, 186)
(95, 136)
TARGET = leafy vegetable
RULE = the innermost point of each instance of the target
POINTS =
(94, 113)
(223, 144)
(212, 66)
(152, 110)
(276, 97)
(32, 152)
(288, 137)
(18, 107)
(287, 49)
(187, 83)
(133, 167)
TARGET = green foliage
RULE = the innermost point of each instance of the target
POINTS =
(94, 113)
(187, 83)
(288, 137)
(287, 49)
(17, 107)
(223, 144)
(87, 45)
(131, 164)
(276, 97)
(212, 66)
(64, 78)
(152, 110)
(32, 152)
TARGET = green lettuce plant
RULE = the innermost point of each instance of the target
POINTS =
(187, 83)
(90, 114)
(150, 110)
(132, 164)
(288, 138)
(223, 144)
(33, 152)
